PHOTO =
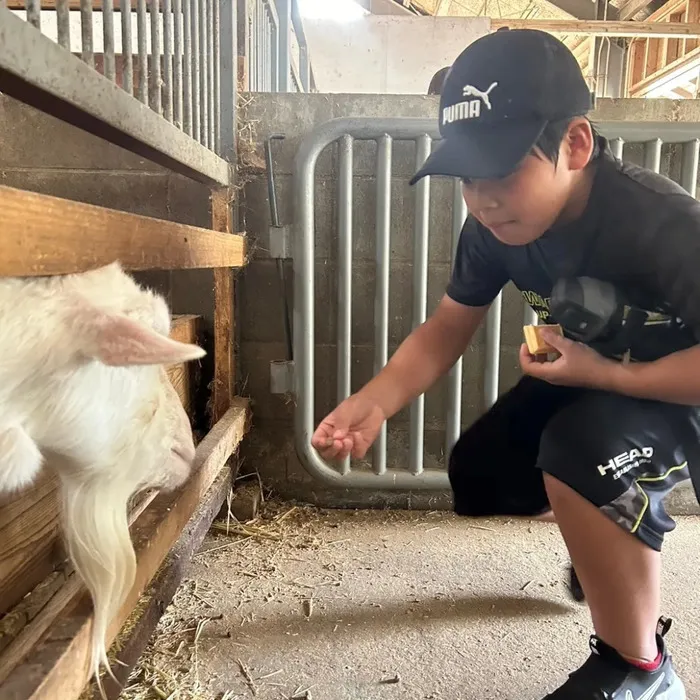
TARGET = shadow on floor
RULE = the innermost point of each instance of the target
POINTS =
(373, 616)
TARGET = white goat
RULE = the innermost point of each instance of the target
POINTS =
(83, 385)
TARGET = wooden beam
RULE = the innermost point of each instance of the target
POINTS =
(223, 312)
(42, 235)
(59, 667)
(666, 75)
(653, 30)
(630, 8)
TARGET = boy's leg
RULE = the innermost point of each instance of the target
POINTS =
(493, 467)
(609, 462)
(622, 580)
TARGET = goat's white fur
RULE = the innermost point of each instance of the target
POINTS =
(83, 386)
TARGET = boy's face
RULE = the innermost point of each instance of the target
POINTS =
(519, 208)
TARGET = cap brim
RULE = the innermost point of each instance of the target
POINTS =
(483, 152)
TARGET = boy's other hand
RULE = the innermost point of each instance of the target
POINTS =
(349, 430)
(577, 364)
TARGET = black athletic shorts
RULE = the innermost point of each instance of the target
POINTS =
(624, 455)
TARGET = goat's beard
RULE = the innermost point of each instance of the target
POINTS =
(96, 529)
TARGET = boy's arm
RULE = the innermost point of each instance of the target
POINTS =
(428, 353)
(674, 378)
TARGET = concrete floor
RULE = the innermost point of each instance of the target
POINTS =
(447, 608)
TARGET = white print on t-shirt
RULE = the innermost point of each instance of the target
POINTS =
(626, 461)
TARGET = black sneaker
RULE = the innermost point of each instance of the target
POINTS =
(607, 676)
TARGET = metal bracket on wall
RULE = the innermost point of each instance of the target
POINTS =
(282, 377)
(280, 242)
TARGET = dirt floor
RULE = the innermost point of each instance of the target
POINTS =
(345, 605)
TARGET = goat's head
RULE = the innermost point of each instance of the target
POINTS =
(83, 385)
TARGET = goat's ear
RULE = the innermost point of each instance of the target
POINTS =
(119, 341)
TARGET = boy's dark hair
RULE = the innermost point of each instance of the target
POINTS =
(551, 138)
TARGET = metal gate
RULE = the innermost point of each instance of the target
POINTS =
(385, 132)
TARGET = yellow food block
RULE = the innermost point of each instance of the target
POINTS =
(535, 344)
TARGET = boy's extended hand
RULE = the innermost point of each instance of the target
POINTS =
(350, 429)
(578, 365)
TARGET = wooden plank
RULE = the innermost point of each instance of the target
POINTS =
(654, 30)
(666, 10)
(58, 668)
(62, 602)
(138, 629)
(630, 8)
(30, 548)
(185, 328)
(223, 313)
(43, 235)
(667, 75)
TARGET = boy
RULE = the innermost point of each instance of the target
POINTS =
(597, 440)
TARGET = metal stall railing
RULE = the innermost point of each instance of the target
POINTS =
(150, 81)
(385, 132)
(277, 50)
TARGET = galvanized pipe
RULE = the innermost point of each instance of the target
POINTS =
(453, 418)
(196, 96)
(274, 52)
(63, 23)
(141, 30)
(493, 352)
(345, 273)
(156, 88)
(381, 298)
(420, 296)
(204, 75)
(87, 52)
(259, 50)
(168, 59)
(266, 49)
(284, 13)
(34, 13)
(177, 62)
(652, 155)
(217, 77)
(108, 35)
(617, 147)
(188, 109)
(689, 166)
(211, 89)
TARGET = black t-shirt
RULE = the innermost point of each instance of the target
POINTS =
(640, 231)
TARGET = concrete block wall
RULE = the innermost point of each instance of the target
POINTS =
(271, 448)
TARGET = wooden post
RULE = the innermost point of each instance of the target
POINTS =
(224, 367)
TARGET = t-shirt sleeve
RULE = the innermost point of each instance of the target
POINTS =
(675, 256)
(478, 273)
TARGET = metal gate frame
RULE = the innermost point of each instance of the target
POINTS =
(384, 132)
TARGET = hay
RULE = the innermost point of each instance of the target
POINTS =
(169, 668)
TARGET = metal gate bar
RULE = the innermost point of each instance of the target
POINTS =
(453, 420)
(385, 132)
(381, 300)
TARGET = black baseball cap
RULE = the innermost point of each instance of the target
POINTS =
(497, 98)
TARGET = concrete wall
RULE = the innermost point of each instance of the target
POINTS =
(271, 448)
(387, 54)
